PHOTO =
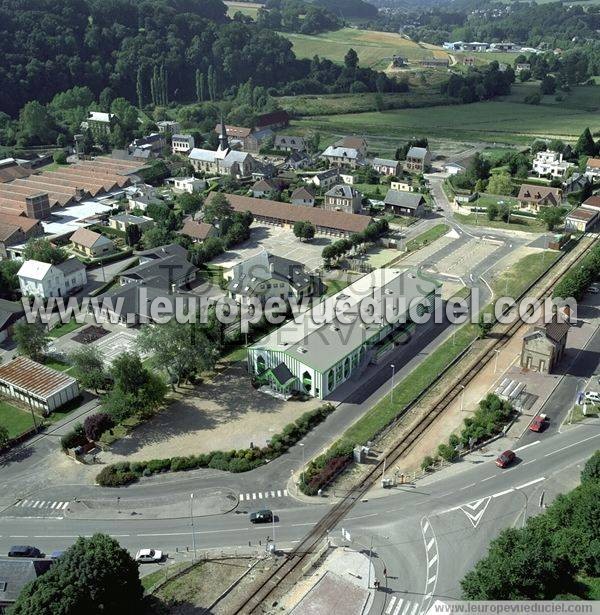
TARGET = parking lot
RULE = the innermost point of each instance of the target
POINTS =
(277, 241)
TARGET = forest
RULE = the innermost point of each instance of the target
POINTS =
(138, 48)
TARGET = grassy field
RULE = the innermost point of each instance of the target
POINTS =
(529, 225)
(492, 122)
(435, 232)
(517, 278)
(67, 327)
(374, 49)
(247, 8)
(15, 420)
(334, 286)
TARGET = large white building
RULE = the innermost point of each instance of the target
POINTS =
(551, 164)
(38, 279)
(315, 356)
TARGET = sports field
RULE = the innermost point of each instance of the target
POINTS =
(374, 49)
(497, 121)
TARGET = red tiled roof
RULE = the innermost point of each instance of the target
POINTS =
(593, 163)
(337, 220)
(239, 132)
(196, 230)
(535, 194)
(33, 377)
(593, 201)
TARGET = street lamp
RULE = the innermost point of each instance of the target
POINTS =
(192, 520)
(462, 397)
(497, 351)
(301, 444)
(392, 390)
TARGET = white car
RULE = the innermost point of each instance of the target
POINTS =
(594, 290)
(148, 556)
(592, 396)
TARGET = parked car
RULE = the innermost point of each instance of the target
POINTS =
(592, 397)
(261, 516)
(594, 290)
(24, 551)
(539, 423)
(505, 459)
(57, 553)
(148, 556)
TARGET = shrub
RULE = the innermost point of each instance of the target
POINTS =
(446, 452)
(96, 424)
(159, 465)
(111, 477)
(426, 463)
(239, 465)
(219, 462)
(75, 437)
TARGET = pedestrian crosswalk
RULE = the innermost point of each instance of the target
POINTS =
(263, 495)
(42, 505)
(401, 606)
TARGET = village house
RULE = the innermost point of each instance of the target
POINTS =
(168, 127)
(403, 186)
(100, 124)
(121, 222)
(265, 275)
(402, 203)
(551, 164)
(90, 243)
(353, 142)
(544, 345)
(323, 179)
(304, 195)
(38, 279)
(198, 231)
(342, 157)
(297, 160)
(418, 160)
(187, 184)
(11, 312)
(343, 198)
(182, 144)
(581, 219)
(522, 66)
(535, 197)
(154, 143)
(575, 183)
(592, 169)
(273, 120)
(15, 230)
(264, 187)
(385, 166)
(289, 143)
(246, 139)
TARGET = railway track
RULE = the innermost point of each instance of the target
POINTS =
(291, 567)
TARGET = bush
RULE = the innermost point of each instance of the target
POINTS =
(96, 424)
(426, 463)
(447, 452)
(75, 437)
(111, 476)
(159, 465)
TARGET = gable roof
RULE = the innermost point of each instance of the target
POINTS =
(197, 230)
(387, 162)
(240, 132)
(265, 185)
(341, 152)
(592, 201)
(303, 192)
(168, 249)
(160, 273)
(344, 191)
(33, 377)
(417, 152)
(349, 223)
(401, 198)
(538, 194)
(15, 573)
(10, 311)
(555, 330)
(593, 163)
(274, 117)
(88, 239)
(290, 141)
(352, 142)
(71, 265)
(35, 270)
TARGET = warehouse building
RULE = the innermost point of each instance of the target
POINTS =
(315, 355)
(41, 387)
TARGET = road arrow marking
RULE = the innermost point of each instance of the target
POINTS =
(478, 505)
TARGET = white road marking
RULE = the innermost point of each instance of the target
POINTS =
(272, 494)
(426, 526)
(415, 608)
(522, 448)
(278, 493)
(390, 606)
(254, 496)
(430, 580)
(558, 450)
(36, 503)
(241, 497)
(260, 496)
(531, 482)
(285, 492)
(247, 496)
(430, 544)
(475, 517)
(432, 561)
(497, 495)
(64, 506)
(467, 486)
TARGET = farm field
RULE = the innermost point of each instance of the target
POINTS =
(375, 49)
(247, 8)
(492, 122)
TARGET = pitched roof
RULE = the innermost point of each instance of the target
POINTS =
(592, 201)
(582, 213)
(282, 374)
(290, 141)
(98, 116)
(401, 198)
(343, 190)
(536, 194)
(71, 265)
(10, 311)
(265, 185)
(554, 330)
(22, 222)
(274, 117)
(352, 141)
(36, 270)
(160, 273)
(240, 132)
(88, 239)
(387, 162)
(349, 223)
(34, 378)
(197, 230)
(168, 249)
(15, 573)
(593, 163)
(417, 152)
(341, 152)
(303, 192)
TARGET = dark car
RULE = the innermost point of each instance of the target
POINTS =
(24, 551)
(505, 459)
(56, 554)
(261, 516)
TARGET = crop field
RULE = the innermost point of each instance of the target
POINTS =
(374, 49)
(492, 122)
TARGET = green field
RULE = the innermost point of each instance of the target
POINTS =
(492, 122)
(430, 235)
(15, 420)
(374, 49)
(247, 8)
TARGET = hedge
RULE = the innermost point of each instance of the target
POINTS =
(241, 460)
(326, 467)
(74, 438)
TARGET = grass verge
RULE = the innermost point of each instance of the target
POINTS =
(513, 281)
(430, 235)
(528, 225)
(65, 328)
(17, 421)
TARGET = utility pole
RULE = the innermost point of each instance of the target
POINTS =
(496, 361)
(462, 398)
(192, 520)
(370, 557)
(392, 391)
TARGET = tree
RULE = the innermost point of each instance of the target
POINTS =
(4, 436)
(304, 230)
(9, 281)
(551, 216)
(59, 157)
(190, 203)
(492, 211)
(96, 424)
(156, 236)
(36, 124)
(132, 235)
(548, 85)
(94, 576)
(585, 145)
(182, 349)
(88, 367)
(128, 372)
(351, 59)
(500, 183)
(591, 469)
(41, 249)
(217, 209)
(483, 325)
(31, 338)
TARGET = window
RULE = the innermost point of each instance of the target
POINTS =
(330, 380)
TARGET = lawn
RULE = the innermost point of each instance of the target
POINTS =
(374, 49)
(517, 223)
(17, 421)
(515, 280)
(491, 122)
(435, 232)
(65, 328)
(58, 365)
(334, 286)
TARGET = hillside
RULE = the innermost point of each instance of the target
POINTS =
(348, 8)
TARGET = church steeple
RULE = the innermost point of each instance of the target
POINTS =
(223, 140)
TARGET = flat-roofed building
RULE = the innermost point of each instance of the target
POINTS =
(315, 355)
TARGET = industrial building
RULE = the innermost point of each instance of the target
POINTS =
(314, 355)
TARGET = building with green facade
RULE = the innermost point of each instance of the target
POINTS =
(330, 343)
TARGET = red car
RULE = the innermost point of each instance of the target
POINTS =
(505, 459)
(539, 423)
